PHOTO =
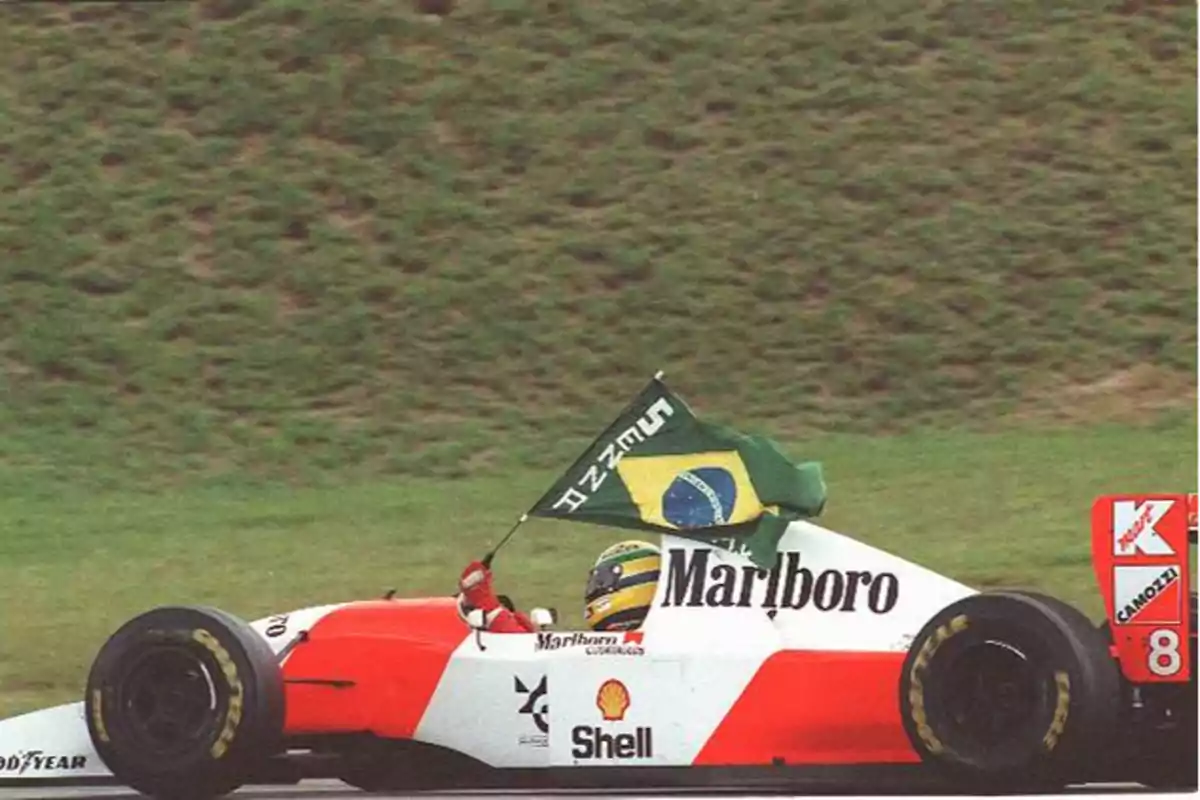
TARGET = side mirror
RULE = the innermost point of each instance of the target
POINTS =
(543, 618)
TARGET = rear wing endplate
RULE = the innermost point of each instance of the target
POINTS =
(1141, 558)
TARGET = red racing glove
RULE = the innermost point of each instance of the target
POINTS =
(475, 584)
(475, 592)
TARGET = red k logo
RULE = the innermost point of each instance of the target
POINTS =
(1134, 529)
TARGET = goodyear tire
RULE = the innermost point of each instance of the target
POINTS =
(1009, 690)
(183, 701)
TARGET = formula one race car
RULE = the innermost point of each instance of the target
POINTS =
(840, 657)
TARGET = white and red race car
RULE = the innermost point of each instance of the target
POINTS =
(843, 657)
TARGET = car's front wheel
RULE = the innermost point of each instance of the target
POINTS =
(183, 701)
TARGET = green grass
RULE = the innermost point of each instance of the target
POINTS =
(286, 237)
(299, 300)
(989, 510)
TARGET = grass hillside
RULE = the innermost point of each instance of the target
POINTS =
(283, 237)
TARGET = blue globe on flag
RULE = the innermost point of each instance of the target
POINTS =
(700, 498)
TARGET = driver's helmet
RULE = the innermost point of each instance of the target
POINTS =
(620, 587)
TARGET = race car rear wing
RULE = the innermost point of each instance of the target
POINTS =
(1191, 507)
(1140, 554)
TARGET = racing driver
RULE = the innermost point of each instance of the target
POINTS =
(620, 590)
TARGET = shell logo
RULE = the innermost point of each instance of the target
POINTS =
(612, 700)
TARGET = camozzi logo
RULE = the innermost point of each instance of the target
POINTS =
(1134, 528)
(1145, 594)
(628, 643)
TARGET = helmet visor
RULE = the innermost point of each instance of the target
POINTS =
(602, 580)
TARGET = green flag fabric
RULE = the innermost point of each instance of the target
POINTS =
(659, 468)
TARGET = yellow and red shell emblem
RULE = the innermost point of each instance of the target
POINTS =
(612, 699)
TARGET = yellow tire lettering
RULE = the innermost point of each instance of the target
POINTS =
(98, 715)
(1062, 683)
(916, 691)
(233, 715)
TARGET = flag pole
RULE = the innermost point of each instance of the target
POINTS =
(487, 559)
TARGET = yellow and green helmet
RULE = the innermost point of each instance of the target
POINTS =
(620, 587)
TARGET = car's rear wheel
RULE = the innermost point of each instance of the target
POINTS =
(1009, 690)
(183, 701)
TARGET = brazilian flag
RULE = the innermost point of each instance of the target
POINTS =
(658, 468)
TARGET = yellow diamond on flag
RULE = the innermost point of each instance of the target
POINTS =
(692, 490)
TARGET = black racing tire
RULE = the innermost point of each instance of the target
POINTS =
(1009, 691)
(184, 701)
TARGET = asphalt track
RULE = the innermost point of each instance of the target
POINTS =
(336, 790)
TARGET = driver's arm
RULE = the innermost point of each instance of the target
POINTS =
(475, 591)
